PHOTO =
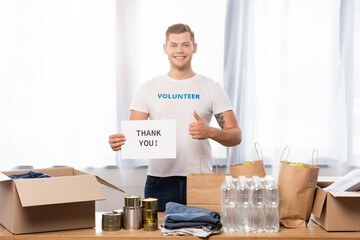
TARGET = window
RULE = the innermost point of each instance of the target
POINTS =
(57, 77)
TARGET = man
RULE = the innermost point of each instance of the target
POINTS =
(190, 99)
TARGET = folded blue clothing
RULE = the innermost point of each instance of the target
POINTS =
(30, 174)
(180, 216)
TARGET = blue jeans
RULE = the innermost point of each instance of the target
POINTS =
(166, 189)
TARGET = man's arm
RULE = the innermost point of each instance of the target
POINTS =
(136, 115)
(229, 134)
(117, 140)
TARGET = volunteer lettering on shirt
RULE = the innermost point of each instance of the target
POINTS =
(178, 96)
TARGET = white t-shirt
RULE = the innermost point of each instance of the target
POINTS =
(167, 98)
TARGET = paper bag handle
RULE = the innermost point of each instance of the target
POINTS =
(212, 157)
(317, 157)
(287, 147)
(257, 145)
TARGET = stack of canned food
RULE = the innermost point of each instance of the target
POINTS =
(133, 216)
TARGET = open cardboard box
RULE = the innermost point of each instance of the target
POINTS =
(336, 211)
(65, 201)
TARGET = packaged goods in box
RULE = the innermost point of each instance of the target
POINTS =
(64, 201)
(336, 211)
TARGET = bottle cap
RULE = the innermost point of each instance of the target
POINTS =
(228, 179)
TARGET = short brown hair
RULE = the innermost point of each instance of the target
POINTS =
(179, 28)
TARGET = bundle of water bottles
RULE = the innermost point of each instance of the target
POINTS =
(250, 204)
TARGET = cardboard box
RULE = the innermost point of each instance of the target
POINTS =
(65, 201)
(336, 211)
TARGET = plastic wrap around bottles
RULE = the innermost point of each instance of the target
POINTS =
(258, 206)
(250, 204)
(228, 198)
(243, 208)
(272, 206)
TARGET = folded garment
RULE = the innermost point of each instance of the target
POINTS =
(30, 174)
(198, 232)
(181, 216)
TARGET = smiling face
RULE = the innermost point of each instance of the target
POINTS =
(179, 47)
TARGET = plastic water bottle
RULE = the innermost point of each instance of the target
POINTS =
(258, 197)
(228, 202)
(242, 214)
(272, 204)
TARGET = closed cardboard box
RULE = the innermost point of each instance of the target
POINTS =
(65, 201)
(336, 211)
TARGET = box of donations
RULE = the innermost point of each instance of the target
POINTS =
(336, 211)
(64, 201)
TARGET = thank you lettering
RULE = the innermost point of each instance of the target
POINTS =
(149, 139)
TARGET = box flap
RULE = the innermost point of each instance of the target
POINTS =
(319, 202)
(78, 172)
(3, 177)
(58, 190)
(100, 180)
(345, 194)
(103, 182)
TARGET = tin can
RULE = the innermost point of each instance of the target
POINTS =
(150, 214)
(132, 213)
(121, 212)
(111, 221)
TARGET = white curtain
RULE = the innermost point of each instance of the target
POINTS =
(291, 70)
(69, 69)
(57, 82)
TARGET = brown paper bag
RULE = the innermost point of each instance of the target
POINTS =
(296, 193)
(249, 170)
(203, 189)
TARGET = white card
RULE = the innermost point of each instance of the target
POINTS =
(149, 139)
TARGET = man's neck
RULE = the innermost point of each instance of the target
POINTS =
(181, 75)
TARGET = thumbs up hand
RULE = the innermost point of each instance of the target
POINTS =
(197, 117)
(199, 129)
